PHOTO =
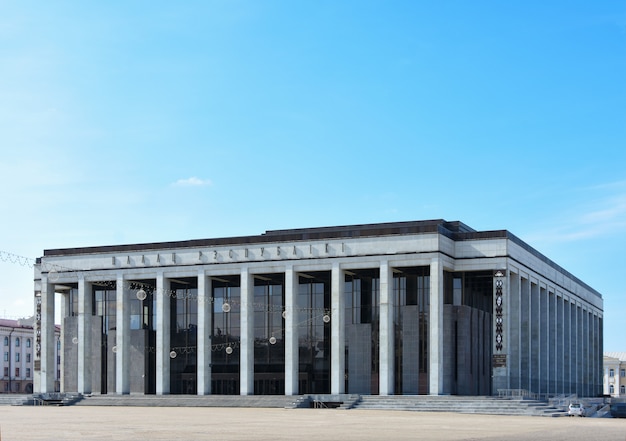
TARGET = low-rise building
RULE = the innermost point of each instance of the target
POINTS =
(615, 374)
(18, 341)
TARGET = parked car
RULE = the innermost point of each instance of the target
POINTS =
(576, 409)
(618, 410)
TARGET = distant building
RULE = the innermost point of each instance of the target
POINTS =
(18, 343)
(615, 374)
(423, 307)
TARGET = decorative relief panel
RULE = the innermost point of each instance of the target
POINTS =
(499, 311)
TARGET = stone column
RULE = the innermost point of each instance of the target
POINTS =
(552, 319)
(205, 325)
(85, 298)
(246, 363)
(560, 344)
(567, 346)
(588, 355)
(534, 336)
(162, 334)
(64, 349)
(544, 349)
(291, 332)
(338, 331)
(579, 348)
(435, 330)
(525, 335)
(47, 360)
(122, 337)
(597, 353)
(386, 332)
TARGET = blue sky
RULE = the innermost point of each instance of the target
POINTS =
(129, 122)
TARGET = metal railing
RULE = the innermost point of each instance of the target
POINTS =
(317, 404)
(518, 394)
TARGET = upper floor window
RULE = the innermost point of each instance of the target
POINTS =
(6, 341)
(622, 373)
(6, 356)
(622, 389)
(611, 372)
(17, 356)
(611, 389)
(27, 357)
(17, 342)
(27, 372)
(28, 342)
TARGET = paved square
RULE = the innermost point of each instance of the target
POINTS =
(228, 424)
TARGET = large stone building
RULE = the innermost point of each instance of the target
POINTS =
(424, 307)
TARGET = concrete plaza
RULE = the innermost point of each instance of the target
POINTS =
(229, 424)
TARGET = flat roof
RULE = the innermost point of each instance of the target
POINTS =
(455, 230)
(298, 234)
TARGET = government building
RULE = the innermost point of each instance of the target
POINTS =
(424, 307)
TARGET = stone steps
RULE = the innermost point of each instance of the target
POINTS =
(416, 403)
(268, 401)
(481, 405)
(12, 399)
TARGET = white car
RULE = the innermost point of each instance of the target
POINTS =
(576, 409)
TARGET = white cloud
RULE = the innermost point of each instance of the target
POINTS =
(605, 217)
(192, 182)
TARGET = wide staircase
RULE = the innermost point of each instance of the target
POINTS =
(415, 403)
(458, 404)
(270, 401)
(13, 399)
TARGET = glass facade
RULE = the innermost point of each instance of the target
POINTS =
(105, 307)
(362, 300)
(225, 335)
(269, 332)
(183, 336)
(411, 290)
(313, 327)
(467, 332)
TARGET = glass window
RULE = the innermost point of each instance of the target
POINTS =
(6, 371)
(611, 373)
(27, 358)
(17, 356)
(6, 356)
(28, 342)
(27, 372)
(6, 341)
(622, 389)
(17, 342)
(17, 372)
(611, 389)
(622, 373)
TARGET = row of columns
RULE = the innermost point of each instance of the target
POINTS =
(555, 341)
(386, 331)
